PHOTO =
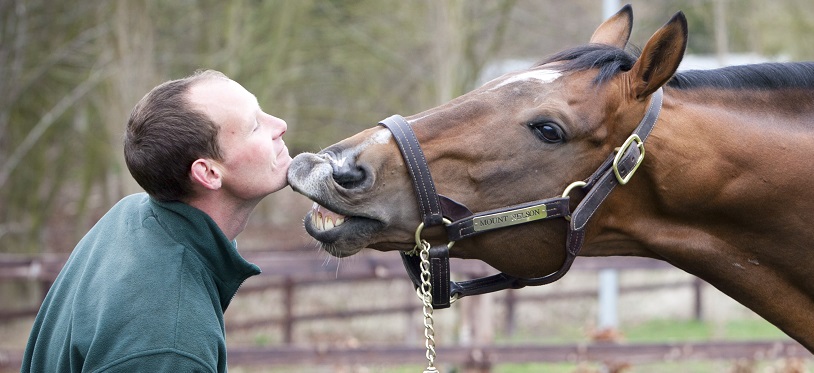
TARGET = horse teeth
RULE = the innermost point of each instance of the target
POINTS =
(323, 219)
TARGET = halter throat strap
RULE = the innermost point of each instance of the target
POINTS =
(617, 169)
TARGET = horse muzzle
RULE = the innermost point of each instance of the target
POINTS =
(335, 219)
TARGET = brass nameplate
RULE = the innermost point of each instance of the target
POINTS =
(508, 218)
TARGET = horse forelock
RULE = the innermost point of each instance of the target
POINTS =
(607, 59)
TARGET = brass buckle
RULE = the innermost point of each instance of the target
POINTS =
(634, 138)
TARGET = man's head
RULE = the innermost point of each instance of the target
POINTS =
(205, 133)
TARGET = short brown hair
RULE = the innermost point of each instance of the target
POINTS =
(165, 135)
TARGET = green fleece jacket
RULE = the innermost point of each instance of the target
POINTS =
(143, 291)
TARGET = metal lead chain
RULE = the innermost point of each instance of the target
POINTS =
(426, 297)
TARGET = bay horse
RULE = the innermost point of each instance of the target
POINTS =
(718, 186)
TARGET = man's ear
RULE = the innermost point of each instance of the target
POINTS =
(206, 173)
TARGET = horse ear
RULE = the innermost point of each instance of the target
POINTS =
(616, 30)
(660, 57)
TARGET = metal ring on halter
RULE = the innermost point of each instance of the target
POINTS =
(569, 188)
(421, 227)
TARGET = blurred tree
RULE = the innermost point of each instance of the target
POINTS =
(71, 71)
(772, 29)
(778, 28)
(50, 65)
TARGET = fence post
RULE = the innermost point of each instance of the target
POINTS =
(698, 293)
(479, 311)
(411, 320)
(511, 303)
(288, 310)
(608, 299)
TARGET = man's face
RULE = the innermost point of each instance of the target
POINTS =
(255, 158)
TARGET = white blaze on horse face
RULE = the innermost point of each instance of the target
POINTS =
(542, 76)
(380, 137)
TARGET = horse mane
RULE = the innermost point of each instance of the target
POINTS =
(611, 61)
(758, 76)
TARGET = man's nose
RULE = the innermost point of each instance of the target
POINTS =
(280, 126)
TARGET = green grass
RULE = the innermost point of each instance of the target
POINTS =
(740, 330)
(668, 331)
(689, 330)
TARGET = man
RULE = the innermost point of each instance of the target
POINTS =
(146, 288)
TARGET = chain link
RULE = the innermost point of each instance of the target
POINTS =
(426, 296)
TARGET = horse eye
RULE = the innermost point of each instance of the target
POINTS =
(548, 132)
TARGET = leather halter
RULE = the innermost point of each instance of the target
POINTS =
(461, 223)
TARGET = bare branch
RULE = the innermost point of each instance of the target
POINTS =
(49, 119)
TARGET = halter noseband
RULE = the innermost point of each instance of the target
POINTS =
(461, 223)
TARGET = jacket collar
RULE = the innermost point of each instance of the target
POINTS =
(195, 229)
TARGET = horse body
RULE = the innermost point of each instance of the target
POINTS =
(723, 192)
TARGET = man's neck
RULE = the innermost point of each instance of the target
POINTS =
(231, 216)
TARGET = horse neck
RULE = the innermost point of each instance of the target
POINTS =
(724, 193)
(713, 168)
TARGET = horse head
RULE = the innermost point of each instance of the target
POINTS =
(521, 137)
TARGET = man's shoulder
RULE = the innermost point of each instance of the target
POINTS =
(134, 207)
(137, 200)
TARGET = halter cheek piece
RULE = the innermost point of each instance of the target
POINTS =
(461, 223)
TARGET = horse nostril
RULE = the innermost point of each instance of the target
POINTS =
(349, 176)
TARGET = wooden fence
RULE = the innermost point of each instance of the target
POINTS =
(287, 271)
